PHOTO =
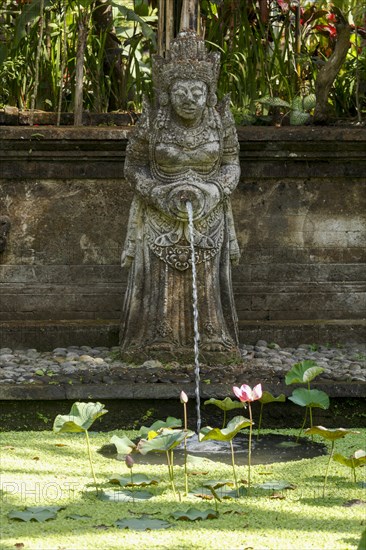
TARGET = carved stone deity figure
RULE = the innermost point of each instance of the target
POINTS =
(184, 148)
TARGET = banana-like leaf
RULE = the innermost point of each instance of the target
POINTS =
(303, 372)
(226, 404)
(310, 398)
(143, 523)
(329, 433)
(81, 417)
(225, 434)
(192, 514)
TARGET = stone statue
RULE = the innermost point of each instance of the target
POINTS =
(184, 148)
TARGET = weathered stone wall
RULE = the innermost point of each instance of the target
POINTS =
(300, 214)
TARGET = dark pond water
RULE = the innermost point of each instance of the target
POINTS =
(270, 448)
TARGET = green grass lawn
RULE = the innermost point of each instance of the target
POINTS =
(41, 468)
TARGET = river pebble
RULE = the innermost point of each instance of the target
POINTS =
(86, 364)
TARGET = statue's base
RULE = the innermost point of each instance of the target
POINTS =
(212, 358)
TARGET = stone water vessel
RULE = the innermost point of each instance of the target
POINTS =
(184, 148)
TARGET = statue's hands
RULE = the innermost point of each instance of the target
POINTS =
(180, 197)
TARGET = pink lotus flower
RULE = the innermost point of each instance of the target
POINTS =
(246, 394)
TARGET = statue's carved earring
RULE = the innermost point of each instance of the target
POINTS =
(163, 99)
(211, 99)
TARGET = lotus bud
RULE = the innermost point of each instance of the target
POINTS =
(129, 461)
(183, 397)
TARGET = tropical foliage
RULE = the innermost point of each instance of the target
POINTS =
(69, 55)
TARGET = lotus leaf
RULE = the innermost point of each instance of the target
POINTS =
(226, 434)
(138, 480)
(35, 513)
(170, 422)
(303, 373)
(276, 485)
(310, 398)
(269, 398)
(81, 417)
(355, 461)
(124, 496)
(329, 433)
(192, 514)
(226, 404)
(143, 523)
(162, 443)
(123, 445)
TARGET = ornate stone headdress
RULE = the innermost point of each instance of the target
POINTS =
(187, 58)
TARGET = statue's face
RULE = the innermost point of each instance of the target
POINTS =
(188, 98)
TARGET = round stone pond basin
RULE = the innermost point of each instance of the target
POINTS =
(269, 448)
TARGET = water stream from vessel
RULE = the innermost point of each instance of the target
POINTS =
(196, 333)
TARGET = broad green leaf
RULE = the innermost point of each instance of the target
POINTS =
(161, 443)
(269, 398)
(192, 514)
(124, 496)
(138, 480)
(329, 433)
(130, 15)
(273, 102)
(276, 485)
(226, 404)
(143, 523)
(123, 445)
(224, 492)
(310, 398)
(35, 513)
(303, 372)
(298, 118)
(198, 460)
(170, 422)
(355, 461)
(81, 417)
(225, 434)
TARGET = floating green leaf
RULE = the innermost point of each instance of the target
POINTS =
(170, 422)
(123, 445)
(136, 480)
(225, 434)
(143, 523)
(124, 496)
(81, 417)
(310, 398)
(276, 485)
(303, 372)
(192, 514)
(222, 492)
(35, 513)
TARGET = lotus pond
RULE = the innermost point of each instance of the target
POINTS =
(49, 498)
